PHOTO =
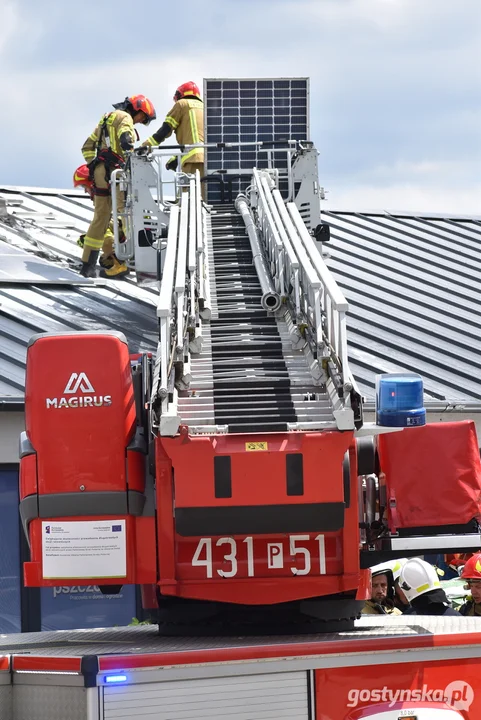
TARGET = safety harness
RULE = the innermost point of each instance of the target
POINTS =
(111, 160)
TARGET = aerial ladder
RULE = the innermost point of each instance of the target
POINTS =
(231, 474)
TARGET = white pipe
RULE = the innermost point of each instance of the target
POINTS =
(270, 299)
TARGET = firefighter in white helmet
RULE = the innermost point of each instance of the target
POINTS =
(382, 594)
(400, 600)
(420, 583)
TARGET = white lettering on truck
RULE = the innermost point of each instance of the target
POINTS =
(79, 382)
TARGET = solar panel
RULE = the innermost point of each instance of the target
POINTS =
(17, 266)
(250, 111)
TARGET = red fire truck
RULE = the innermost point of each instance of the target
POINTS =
(386, 669)
(233, 477)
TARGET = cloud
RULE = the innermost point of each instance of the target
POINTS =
(9, 21)
(395, 84)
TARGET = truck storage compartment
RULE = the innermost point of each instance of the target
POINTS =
(432, 476)
(82, 476)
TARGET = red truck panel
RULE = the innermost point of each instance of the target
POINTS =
(404, 690)
(79, 411)
(240, 484)
(257, 527)
(432, 474)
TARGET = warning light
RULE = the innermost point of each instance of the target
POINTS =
(115, 678)
(399, 400)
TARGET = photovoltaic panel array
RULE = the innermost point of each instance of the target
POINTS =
(248, 111)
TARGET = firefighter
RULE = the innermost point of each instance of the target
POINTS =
(81, 178)
(186, 119)
(400, 599)
(382, 594)
(420, 583)
(472, 574)
(105, 150)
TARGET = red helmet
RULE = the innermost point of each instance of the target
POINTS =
(140, 102)
(81, 178)
(188, 89)
(472, 569)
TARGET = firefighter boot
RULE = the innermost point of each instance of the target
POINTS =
(117, 270)
(107, 261)
(88, 267)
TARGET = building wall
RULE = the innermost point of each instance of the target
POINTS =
(11, 425)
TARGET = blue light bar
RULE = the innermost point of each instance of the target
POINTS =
(115, 678)
(399, 400)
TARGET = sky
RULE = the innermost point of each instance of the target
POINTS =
(395, 84)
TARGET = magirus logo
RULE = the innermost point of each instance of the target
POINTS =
(79, 383)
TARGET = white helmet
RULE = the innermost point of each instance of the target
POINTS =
(418, 577)
(393, 567)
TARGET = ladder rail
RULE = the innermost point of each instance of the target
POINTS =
(178, 302)
(309, 289)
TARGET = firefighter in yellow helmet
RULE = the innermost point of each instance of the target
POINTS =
(186, 120)
(104, 151)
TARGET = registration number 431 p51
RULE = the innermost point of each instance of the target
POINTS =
(247, 557)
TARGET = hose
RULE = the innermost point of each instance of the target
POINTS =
(270, 300)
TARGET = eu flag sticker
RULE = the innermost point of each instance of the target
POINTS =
(116, 528)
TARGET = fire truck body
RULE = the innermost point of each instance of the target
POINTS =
(389, 669)
(234, 468)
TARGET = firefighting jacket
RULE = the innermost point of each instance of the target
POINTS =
(115, 131)
(186, 119)
(470, 607)
(386, 608)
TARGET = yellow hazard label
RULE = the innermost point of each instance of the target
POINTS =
(256, 446)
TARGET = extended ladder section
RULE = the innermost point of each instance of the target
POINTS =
(252, 323)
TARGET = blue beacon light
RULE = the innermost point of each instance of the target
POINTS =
(115, 679)
(399, 400)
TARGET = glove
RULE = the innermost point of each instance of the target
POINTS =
(142, 150)
(80, 241)
(172, 163)
(122, 237)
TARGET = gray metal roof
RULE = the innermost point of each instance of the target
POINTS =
(46, 224)
(413, 283)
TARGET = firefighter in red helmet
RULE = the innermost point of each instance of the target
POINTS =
(81, 178)
(104, 151)
(472, 574)
(186, 120)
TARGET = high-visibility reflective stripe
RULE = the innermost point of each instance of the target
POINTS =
(193, 126)
(89, 154)
(151, 141)
(172, 122)
(113, 134)
(93, 242)
(190, 154)
(427, 586)
(93, 136)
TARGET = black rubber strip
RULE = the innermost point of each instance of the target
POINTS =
(262, 519)
(222, 476)
(294, 474)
